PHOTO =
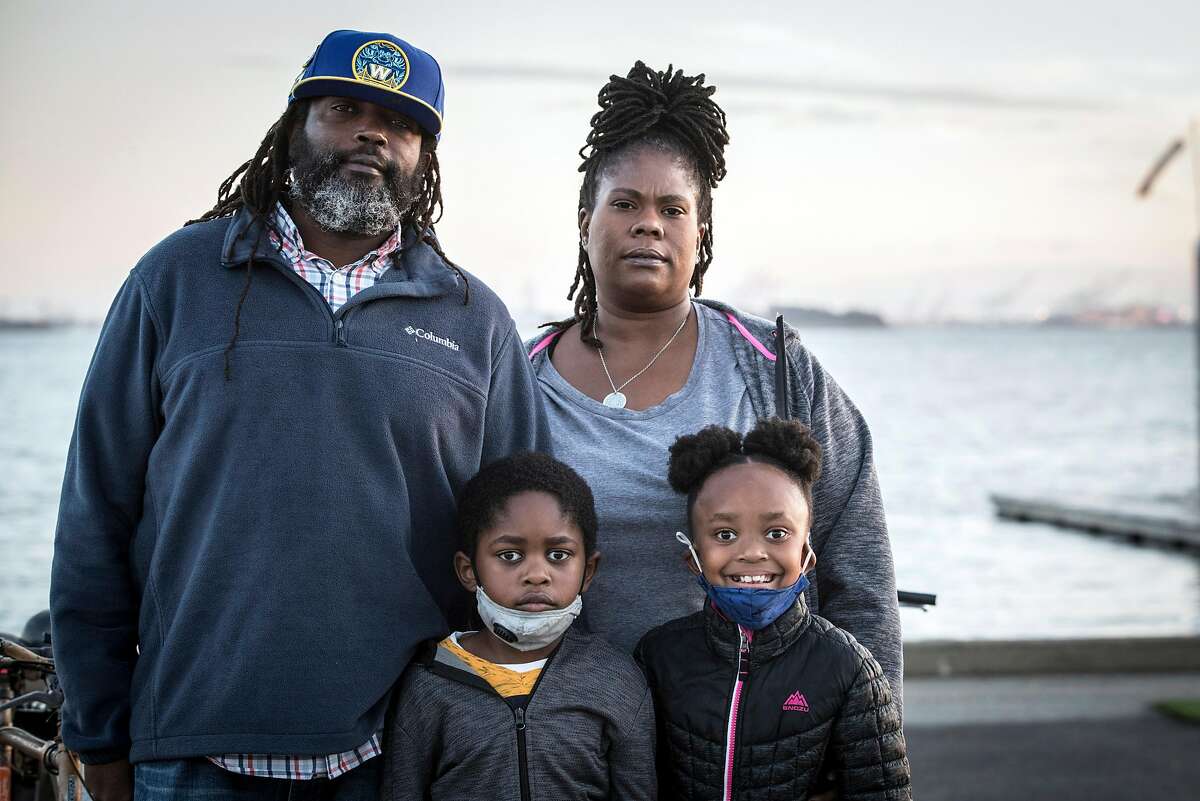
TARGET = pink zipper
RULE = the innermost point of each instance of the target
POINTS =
(744, 638)
(750, 337)
(545, 343)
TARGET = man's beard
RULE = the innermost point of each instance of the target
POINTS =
(343, 204)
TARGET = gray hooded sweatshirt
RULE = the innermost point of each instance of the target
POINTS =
(855, 582)
(586, 731)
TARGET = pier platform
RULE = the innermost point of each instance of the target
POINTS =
(1167, 524)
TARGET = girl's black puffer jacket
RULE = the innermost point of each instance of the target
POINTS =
(794, 700)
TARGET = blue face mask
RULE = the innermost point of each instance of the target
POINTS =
(750, 607)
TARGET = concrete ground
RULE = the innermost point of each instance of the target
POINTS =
(1058, 738)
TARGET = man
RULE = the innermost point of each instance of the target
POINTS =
(256, 522)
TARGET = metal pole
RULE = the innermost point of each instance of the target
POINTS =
(1194, 142)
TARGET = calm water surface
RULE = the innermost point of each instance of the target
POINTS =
(956, 414)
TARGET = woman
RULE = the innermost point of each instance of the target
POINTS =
(640, 362)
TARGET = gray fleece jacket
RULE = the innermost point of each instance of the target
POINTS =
(855, 586)
(586, 731)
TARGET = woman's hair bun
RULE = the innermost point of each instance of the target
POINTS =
(694, 456)
(788, 442)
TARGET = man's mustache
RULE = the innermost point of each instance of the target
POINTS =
(335, 159)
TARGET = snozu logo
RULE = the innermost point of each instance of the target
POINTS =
(421, 333)
(796, 702)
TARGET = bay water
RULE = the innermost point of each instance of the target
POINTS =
(957, 413)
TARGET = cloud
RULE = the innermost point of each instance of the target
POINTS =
(972, 97)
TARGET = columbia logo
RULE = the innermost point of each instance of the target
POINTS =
(421, 333)
(796, 702)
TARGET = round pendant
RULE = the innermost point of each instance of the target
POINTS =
(614, 400)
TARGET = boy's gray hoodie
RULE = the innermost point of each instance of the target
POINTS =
(586, 731)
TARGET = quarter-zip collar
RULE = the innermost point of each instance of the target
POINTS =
(769, 641)
(418, 273)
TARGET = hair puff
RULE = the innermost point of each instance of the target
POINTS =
(695, 456)
(788, 442)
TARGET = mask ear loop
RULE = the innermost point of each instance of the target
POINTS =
(478, 583)
(683, 540)
(807, 567)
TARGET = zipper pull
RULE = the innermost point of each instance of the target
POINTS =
(341, 337)
(743, 641)
(519, 712)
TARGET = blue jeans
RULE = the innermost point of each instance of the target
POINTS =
(201, 780)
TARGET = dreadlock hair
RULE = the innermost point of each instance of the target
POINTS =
(786, 444)
(265, 178)
(667, 111)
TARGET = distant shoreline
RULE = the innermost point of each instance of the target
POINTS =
(802, 318)
(38, 325)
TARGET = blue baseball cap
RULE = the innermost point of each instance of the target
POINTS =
(378, 68)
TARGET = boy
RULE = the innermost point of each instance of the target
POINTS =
(529, 707)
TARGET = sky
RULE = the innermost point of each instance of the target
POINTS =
(951, 159)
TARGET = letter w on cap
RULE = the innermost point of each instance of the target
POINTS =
(379, 72)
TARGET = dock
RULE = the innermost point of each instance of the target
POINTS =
(1171, 525)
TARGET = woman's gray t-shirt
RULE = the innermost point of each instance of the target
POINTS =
(622, 454)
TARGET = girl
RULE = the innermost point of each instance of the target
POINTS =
(754, 694)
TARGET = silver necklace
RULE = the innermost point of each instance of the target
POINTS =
(616, 399)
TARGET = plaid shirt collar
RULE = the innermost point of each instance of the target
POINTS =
(336, 284)
(286, 236)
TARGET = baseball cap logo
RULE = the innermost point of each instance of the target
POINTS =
(382, 63)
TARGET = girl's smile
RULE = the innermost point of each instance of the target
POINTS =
(767, 578)
(750, 527)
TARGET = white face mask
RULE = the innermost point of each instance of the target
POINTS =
(525, 631)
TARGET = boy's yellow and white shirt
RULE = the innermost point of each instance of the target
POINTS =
(508, 681)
